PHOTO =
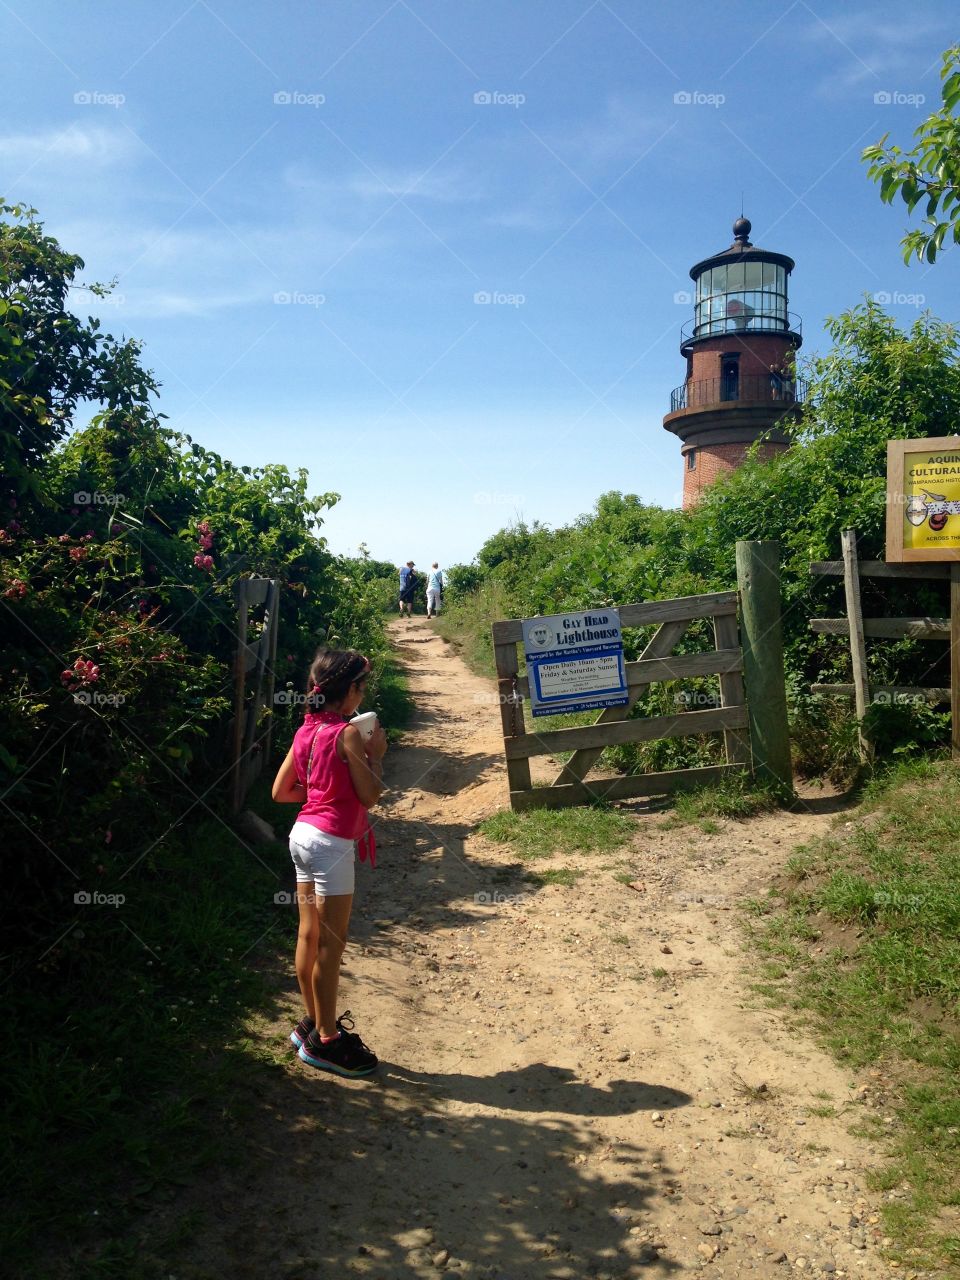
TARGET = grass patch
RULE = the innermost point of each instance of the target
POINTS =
(879, 896)
(565, 876)
(737, 798)
(538, 833)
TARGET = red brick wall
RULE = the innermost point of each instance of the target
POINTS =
(714, 460)
(758, 351)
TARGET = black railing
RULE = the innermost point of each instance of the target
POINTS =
(742, 322)
(750, 388)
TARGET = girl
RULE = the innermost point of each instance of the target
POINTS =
(336, 776)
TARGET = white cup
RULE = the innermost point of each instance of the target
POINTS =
(366, 722)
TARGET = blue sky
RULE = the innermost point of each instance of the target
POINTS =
(301, 203)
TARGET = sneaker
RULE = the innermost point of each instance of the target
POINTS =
(301, 1031)
(345, 1056)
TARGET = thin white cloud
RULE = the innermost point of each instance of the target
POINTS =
(452, 187)
(74, 144)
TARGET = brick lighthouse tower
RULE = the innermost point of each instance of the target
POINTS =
(739, 347)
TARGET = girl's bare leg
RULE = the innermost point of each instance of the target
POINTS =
(334, 917)
(308, 937)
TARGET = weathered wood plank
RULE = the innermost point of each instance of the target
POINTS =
(660, 644)
(641, 730)
(881, 569)
(642, 615)
(761, 637)
(858, 648)
(623, 788)
(887, 628)
(511, 712)
(732, 694)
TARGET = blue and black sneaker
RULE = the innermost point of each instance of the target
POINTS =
(301, 1031)
(345, 1056)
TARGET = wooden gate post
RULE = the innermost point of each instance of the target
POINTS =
(758, 578)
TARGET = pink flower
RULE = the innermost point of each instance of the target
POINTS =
(78, 553)
(16, 590)
(4, 537)
(64, 537)
(87, 537)
(204, 527)
(206, 541)
(203, 562)
(82, 672)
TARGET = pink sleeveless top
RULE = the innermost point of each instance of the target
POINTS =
(332, 803)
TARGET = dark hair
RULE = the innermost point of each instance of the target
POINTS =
(332, 672)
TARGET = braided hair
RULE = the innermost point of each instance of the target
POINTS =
(332, 672)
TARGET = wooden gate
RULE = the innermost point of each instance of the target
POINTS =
(747, 658)
(858, 628)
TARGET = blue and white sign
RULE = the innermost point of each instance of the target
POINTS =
(575, 662)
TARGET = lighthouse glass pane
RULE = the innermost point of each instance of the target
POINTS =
(734, 276)
(719, 279)
(769, 275)
(752, 275)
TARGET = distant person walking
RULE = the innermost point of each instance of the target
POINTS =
(435, 585)
(408, 586)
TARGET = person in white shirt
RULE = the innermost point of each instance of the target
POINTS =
(434, 590)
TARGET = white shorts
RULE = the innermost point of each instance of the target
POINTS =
(323, 860)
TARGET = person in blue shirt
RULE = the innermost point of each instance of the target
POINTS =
(434, 590)
(408, 586)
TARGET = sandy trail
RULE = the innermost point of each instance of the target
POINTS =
(547, 1106)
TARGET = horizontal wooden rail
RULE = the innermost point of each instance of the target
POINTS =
(643, 729)
(682, 667)
(881, 569)
(623, 788)
(888, 628)
(642, 615)
(887, 692)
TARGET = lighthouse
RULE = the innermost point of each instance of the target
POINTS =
(740, 385)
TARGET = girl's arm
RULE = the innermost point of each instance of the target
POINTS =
(365, 763)
(287, 788)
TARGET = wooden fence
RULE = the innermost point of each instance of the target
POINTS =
(859, 628)
(765, 722)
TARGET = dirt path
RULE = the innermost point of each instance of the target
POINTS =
(547, 1106)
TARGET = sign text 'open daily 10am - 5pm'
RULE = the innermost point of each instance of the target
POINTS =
(575, 661)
